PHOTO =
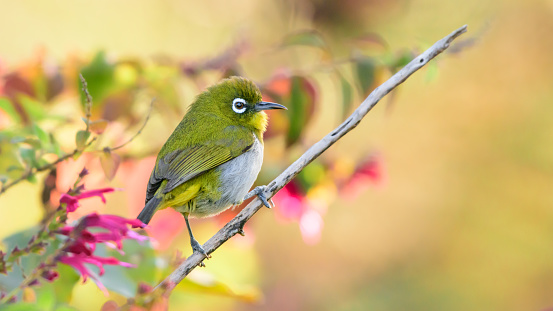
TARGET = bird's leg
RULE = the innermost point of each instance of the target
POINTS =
(259, 192)
(196, 247)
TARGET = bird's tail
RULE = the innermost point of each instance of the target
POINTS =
(148, 211)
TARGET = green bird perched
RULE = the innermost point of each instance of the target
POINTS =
(213, 157)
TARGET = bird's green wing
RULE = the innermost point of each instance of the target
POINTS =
(182, 165)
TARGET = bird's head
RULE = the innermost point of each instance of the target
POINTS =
(238, 100)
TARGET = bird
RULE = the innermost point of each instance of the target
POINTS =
(213, 157)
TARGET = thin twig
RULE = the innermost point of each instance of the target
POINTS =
(139, 131)
(237, 223)
(88, 101)
(45, 167)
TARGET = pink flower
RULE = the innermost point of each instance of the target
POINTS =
(289, 202)
(50, 275)
(72, 202)
(117, 231)
(311, 226)
(78, 262)
(371, 171)
(292, 205)
(80, 250)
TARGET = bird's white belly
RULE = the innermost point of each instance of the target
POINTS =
(237, 177)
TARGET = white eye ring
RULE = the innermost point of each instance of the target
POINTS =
(239, 105)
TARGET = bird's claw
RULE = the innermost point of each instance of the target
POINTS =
(241, 232)
(196, 247)
(259, 191)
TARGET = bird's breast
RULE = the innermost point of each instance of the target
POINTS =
(236, 178)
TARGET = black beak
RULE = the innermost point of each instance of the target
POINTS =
(267, 105)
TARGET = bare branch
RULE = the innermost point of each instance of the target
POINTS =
(139, 131)
(237, 223)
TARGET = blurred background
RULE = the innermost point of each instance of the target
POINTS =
(441, 199)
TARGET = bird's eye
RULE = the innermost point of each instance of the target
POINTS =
(239, 105)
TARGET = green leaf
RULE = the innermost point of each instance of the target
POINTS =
(311, 175)
(117, 280)
(45, 296)
(29, 156)
(55, 146)
(306, 37)
(432, 72)
(143, 255)
(17, 139)
(402, 60)
(12, 168)
(8, 108)
(35, 109)
(42, 135)
(365, 69)
(20, 306)
(125, 280)
(32, 179)
(35, 143)
(99, 76)
(81, 138)
(347, 96)
(300, 106)
(63, 286)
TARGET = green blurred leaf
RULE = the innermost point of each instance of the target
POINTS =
(300, 106)
(12, 168)
(34, 108)
(143, 255)
(117, 280)
(17, 139)
(8, 108)
(306, 37)
(63, 286)
(81, 138)
(32, 179)
(42, 136)
(28, 156)
(21, 306)
(125, 280)
(311, 175)
(99, 76)
(55, 146)
(110, 163)
(35, 143)
(401, 61)
(365, 70)
(45, 296)
(347, 96)
(432, 71)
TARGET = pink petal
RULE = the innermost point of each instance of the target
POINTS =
(94, 193)
(71, 203)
